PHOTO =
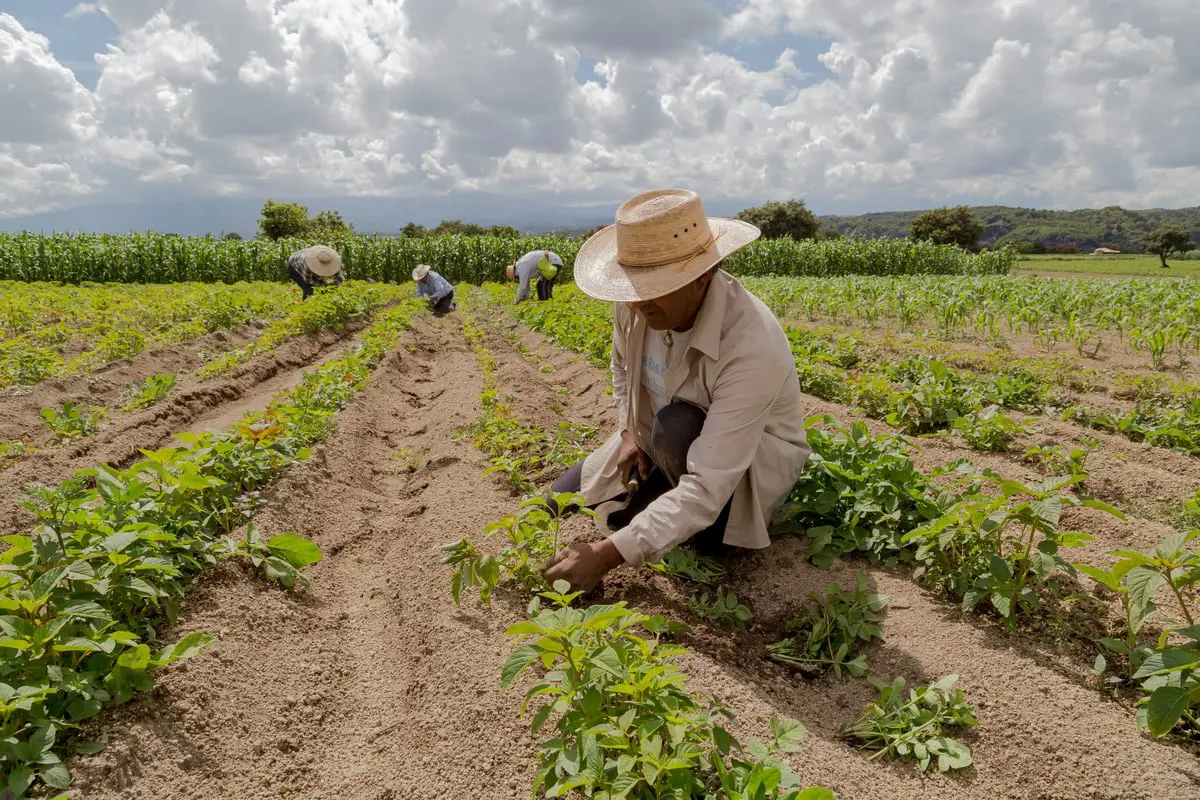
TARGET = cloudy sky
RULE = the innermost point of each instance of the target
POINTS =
(853, 105)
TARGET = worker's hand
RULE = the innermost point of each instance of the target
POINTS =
(583, 565)
(632, 457)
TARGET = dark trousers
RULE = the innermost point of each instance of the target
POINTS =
(443, 306)
(545, 288)
(676, 426)
(304, 287)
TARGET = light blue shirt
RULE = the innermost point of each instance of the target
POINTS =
(527, 267)
(434, 286)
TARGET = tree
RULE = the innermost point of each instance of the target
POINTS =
(948, 226)
(459, 228)
(504, 232)
(777, 220)
(414, 231)
(281, 220)
(1168, 240)
(329, 223)
(233, 236)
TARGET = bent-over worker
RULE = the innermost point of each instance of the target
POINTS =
(315, 266)
(543, 263)
(711, 425)
(435, 287)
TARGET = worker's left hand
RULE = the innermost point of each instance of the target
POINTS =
(583, 565)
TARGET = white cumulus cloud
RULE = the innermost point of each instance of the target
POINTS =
(1054, 102)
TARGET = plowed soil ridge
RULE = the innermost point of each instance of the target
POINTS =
(192, 405)
(372, 685)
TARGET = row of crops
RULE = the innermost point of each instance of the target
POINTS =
(86, 590)
(991, 544)
(49, 331)
(163, 258)
(1159, 317)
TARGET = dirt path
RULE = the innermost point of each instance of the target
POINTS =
(192, 405)
(371, 685)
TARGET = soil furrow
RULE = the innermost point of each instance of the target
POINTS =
(372, 685)
(192, 405)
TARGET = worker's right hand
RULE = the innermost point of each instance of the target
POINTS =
(632, 457)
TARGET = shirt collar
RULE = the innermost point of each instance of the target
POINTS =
(706, 332)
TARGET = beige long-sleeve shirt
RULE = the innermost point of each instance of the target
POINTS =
(739, 368)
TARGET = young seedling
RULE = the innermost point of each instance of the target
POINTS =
(831, 628)
(686, 564)
(149, 391)
(532, 535)
(914, 726)
(71, 421)
(722, 607)
(989, 430)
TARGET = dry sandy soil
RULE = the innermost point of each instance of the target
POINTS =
(372, 685)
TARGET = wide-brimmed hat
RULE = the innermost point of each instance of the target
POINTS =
(322, 260)
(661, 242)
(420, 272)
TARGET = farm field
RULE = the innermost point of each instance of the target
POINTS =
(1109, 265)
(392, 439)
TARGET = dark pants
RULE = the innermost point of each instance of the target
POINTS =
(443, 306)
(304, 287)
(676, 426)
(545, 288)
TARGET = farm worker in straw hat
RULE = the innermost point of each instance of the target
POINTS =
(711, 432)
(435, 287)
(543, 263)
(315, 266)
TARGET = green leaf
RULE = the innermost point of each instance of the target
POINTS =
(1164, 709)
(521, 658)
(56, 777)
(1000, 568)
(816, 793)
(187, 647)
(295, 550)
(1143, 583)
(1100, 576)
(1002, 604)
(90, 748)
(609, 661)
(115, 544)
(19, 780)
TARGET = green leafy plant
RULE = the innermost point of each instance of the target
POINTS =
(532, 536)
(1000, 548)
(915, 726)
(281, 557)
(414, 460)
(831, 628)
(149, 391)
(1168, 674)
(1057, 461)
(625, 726)
(989, 430)
(858, 493)
(72, 421)
(685, 563)
(722, 607)
(11, 452)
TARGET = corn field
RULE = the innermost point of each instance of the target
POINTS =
(164, 258)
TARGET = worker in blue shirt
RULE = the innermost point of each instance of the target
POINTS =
(435, 287)
(543, 263)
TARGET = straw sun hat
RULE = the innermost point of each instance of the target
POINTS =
(420, 272)
(661, 242)
(323, 261)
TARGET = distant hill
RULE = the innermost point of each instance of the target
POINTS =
(1087, 229)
